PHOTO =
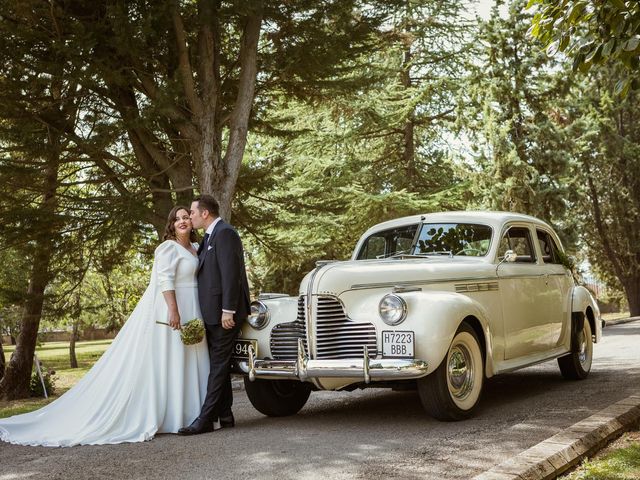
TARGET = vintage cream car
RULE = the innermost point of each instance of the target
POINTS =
(438, 301)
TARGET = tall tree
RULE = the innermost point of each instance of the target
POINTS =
(15, 383)
(13, 284)
(403, 121)
(182, 78)
(607, 151)
(39, 169)
(351, 159)
(521, 157)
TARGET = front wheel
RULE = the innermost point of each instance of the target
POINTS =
(453, 390)
(577, 364)
(277, 398)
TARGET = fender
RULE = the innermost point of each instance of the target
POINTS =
(281, 310)
(581, 302)
(433, 338)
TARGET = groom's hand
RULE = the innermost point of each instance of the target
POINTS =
(227, 320)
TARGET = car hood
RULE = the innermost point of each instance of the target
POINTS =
(337, 277)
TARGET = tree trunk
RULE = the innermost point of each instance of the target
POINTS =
(408, 141)
(220, 179)
(632, 290)
(2, 361)
(73, 360)
(15, 383)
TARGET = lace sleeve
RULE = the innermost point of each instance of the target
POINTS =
(166, 258)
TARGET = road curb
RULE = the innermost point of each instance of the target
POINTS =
(618, 321)
(555, 455)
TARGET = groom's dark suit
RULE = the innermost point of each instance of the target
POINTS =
(222, 284)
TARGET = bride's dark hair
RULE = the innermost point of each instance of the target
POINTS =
(170, 229)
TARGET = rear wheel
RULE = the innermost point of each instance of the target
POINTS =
(453, 390)
(577, 364)
(277, 398)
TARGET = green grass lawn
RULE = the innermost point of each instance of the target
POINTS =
(619, 461)
(55, 356)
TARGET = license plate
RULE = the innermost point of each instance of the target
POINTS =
(398, 344)
(241, 348)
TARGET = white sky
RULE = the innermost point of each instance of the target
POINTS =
(483, 8)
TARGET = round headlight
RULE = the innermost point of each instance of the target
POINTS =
(392, 309)
(259, 315)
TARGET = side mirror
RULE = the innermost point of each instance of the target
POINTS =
(510, 256)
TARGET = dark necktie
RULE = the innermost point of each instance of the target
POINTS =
(203, 246)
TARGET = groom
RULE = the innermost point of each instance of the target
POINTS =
(223, 292)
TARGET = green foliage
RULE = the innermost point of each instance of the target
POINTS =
(49, 378)
(593, 33)
(314, 196)
(309, 189)
(606, 139)
(520, 155)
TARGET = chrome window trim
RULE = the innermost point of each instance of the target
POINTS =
(534, 245)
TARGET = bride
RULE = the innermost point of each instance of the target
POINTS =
(147, 382)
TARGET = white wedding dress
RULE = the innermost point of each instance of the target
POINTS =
(147, 382)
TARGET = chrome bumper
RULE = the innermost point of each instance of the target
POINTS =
(357, 368)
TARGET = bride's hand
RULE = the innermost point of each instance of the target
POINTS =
(174, 320)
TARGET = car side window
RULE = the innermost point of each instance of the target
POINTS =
(386, 243)
(518, 239)
(548, 247)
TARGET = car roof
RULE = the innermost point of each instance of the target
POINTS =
(492, 218)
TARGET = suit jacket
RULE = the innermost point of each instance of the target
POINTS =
(222, 278)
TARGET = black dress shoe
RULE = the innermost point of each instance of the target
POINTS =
(197, 427)
(227, 422)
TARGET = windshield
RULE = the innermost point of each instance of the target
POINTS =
(453, 239)
(388, 243)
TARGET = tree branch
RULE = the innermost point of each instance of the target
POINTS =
(239, 120)
(184, 64)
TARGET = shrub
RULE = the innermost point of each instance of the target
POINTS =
(49, 377)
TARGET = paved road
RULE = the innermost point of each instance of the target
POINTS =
(364, 434)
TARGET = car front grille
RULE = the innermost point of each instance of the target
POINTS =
(339, 337)
(336, 335)
(284, 337)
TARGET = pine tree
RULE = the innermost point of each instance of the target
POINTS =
(321, 174)
(606, 137)
(183, 80)
(520, 151)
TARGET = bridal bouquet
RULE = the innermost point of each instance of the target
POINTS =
(192, 332)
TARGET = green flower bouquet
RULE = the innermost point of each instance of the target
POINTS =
(192, 332)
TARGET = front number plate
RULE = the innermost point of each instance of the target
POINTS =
(398, 344)
(241, 348)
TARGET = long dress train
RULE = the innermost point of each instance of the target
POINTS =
(147, 382)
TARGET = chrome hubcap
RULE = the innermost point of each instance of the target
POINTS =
(460, 371)
(584, 354)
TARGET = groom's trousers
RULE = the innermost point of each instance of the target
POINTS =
(219, 397)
